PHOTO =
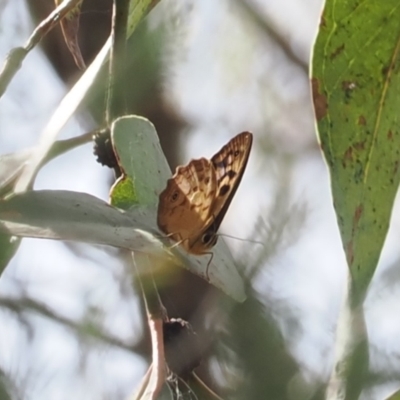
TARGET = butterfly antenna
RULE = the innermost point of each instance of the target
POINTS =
(241, 239)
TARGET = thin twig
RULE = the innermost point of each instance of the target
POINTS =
(22, 305)
(156, 315)
(58, 148)
(62, 146)
(267, 27)
(141, 389)
(116, 105)
(210, 392)
(159, 368)
(17, 55)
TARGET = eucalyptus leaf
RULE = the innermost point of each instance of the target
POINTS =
(356, 85)
(356, 82)
(60, 117)
(138, 149)
(11, 166)
(66, 215)
(9, 245)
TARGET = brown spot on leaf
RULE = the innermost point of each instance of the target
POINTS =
(337, 51)
(396, 167)
(348, 157)
(362, 120)
(320, 102)
(385, 70)
(349, 253)
(359, 145)
(348, 87)
(322, 22)
(357, 216)
(390, 135)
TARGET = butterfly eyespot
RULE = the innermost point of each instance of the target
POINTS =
(207, 238)
(236, 153)
(223, 190)
(174, 196)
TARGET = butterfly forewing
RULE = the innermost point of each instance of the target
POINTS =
(229, 163)
(193, 204)
(184, 206)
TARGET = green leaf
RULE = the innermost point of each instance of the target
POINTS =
(138, 9)
(8, 247)
(123, 193)
(65, 215)
(139, 153)
(356, 86)
(11, 166)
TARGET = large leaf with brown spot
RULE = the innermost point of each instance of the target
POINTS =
(356, 89)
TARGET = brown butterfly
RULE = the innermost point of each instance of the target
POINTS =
(193, 205)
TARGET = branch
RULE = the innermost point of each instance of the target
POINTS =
(24, 304)
(154, 379)
(16, 56)
(117, 60)
(267, 27)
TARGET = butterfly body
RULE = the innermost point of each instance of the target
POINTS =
(194, 203)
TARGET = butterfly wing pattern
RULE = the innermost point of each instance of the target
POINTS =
(229, 164)
(194, 203)
(185, 203)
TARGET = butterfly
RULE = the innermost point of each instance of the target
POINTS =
(197, 197)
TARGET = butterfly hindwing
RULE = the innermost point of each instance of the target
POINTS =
(194, 203)
(185, 204)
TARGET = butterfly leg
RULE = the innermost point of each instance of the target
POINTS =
(208, 265)
(177, 242)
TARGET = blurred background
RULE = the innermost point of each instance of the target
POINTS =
(201, 72)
